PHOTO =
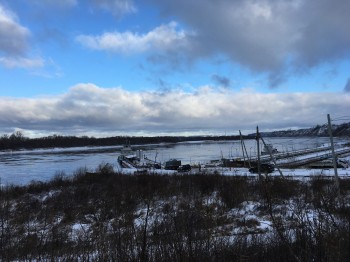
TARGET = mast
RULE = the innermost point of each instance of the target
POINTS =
(335, 165)
(240, 135)
(245, 149)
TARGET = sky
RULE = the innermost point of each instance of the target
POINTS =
(162, 67)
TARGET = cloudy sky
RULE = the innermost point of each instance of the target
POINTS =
(151, 67)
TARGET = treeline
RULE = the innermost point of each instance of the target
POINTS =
(18, 141)
(106, 216)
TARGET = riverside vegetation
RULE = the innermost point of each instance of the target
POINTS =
(107, 216)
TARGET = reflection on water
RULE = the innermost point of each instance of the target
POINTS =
(21, 167)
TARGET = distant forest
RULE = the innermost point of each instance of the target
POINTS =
(18, 141)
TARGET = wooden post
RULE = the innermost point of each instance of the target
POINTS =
(258, 148)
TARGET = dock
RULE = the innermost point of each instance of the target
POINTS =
(303, 158)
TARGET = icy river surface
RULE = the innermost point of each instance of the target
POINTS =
(23, 166)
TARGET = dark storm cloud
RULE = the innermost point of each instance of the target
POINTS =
(347, 86)
(278, 37)
(221, 80)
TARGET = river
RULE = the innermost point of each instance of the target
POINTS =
(24, 166)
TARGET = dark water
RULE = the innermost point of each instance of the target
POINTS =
(21, 167)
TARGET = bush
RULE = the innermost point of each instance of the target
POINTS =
(108, 216)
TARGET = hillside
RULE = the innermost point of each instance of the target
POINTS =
(319, 130)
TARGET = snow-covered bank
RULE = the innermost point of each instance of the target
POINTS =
(107, 216)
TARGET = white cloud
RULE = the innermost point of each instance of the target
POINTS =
(56, 3)
(13, 36)
(14, 43)
(162, 39)
(87, 108)
(21, 62)
(116, 7)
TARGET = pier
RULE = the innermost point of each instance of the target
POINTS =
(304, 158)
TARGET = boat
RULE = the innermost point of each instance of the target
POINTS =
(126, 150)
(135, 159)
(172, 164)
